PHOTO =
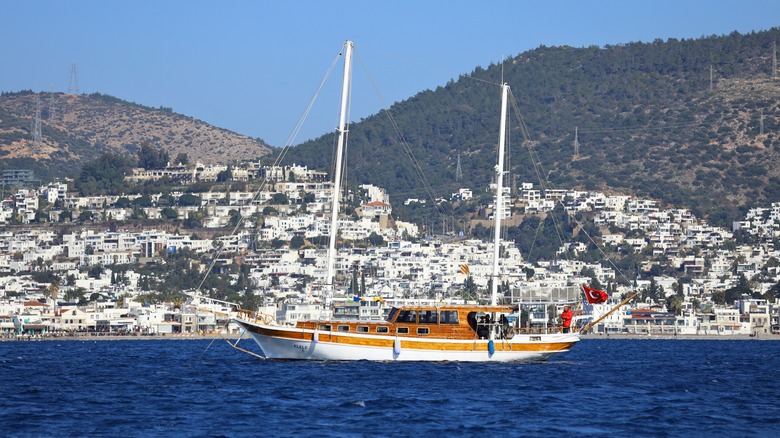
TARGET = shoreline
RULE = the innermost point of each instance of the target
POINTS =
(102, 337)
(234, 336)
(707, 337)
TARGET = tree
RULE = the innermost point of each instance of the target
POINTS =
(86, 216)
(376, 240)
(469, 291)
(143, 201)
(182, 158)
(296, 242)
(105, 175)
(122, 202)
(189, 200)
(150, 157)
(66, 216)
(226, 175)
(280, 198)
(169, 213)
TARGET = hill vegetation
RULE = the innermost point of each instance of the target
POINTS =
(76, 129)
(693, 123)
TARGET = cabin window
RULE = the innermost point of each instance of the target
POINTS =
(407, 316)
(343, 328)
(449, 317)
(392, 314)
(362, 329)
(382, 329)
(428, 317)
(403, 330)
(325, 327)
(422, 330)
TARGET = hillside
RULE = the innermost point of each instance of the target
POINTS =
(649, 119)
(77, 128)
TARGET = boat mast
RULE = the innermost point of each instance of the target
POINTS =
(499, 210)
(334, 210)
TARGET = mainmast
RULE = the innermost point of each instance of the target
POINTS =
(342, 130)
(499, 210)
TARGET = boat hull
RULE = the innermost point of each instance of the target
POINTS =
(278, 342)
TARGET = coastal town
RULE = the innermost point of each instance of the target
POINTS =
(72, 265)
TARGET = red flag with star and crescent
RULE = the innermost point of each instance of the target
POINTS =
(594, 296)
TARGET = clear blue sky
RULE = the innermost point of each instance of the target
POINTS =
(253, 66)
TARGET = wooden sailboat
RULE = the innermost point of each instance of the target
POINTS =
(473, 333)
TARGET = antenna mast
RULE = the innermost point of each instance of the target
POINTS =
(73, 86)
(37, 136)
(576, 142)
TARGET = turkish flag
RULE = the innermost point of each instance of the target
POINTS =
(595, 296)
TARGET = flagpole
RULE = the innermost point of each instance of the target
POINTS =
(589, 326)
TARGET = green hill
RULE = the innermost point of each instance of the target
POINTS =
(694, 123)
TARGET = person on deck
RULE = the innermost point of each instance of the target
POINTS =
(566, 316)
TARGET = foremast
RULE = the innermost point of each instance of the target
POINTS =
(499, 210)
(334, 210)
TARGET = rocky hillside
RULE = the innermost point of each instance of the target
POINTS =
(78, 128)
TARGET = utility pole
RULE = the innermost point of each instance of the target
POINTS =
(576, 142)
(710, 77)
(73, 86)
(36, 134)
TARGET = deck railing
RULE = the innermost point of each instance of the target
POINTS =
(256, 317)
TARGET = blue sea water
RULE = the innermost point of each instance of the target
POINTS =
(205, 388)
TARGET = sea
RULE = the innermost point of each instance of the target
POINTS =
(205, 388)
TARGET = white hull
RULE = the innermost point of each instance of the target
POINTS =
(519, 348)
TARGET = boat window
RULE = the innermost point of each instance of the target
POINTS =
(403, 330)
(449, 317)
(422, 330)
(407, 316)
(362, 329)
(428, 317)
(392, 314)
(343, 328)
(382, 329)
(325, 327)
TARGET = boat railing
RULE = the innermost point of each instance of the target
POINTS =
(256, 317)
(541, 330)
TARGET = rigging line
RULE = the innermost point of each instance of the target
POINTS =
(308, 109)
(539, 170)
(402, 140)
(722, 120)
(601, 251)
(547, 185)
(430, 67)
(276, 163)
(648, 128)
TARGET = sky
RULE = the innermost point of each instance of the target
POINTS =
(253, 67)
